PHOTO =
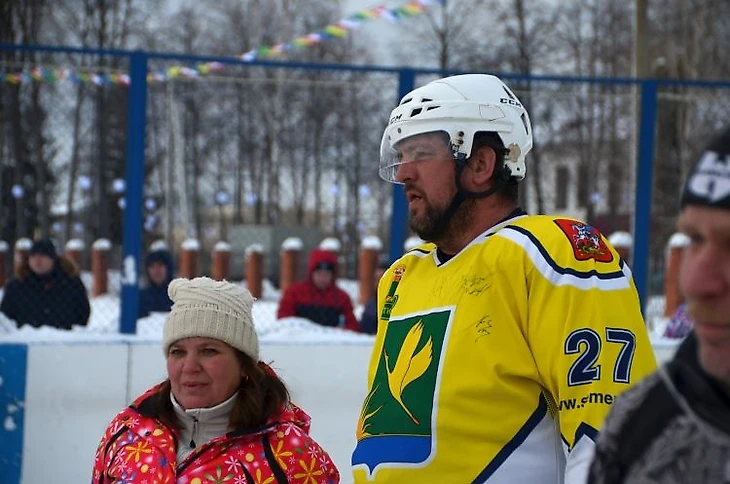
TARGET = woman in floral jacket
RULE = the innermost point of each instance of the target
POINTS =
(221, 415)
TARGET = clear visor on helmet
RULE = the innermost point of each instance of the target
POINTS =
(432, 145)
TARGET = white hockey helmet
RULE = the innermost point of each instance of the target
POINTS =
(459, 106)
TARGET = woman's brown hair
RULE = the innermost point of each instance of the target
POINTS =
(22, 271)
(261, 394)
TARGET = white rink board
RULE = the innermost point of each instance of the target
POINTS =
(74, 389)
(72, 392)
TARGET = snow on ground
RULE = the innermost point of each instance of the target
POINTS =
(105, 310)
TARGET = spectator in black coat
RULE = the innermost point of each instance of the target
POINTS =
(159, 272)
(46, 290)
(369, 317)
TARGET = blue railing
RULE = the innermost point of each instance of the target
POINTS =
(137, 108)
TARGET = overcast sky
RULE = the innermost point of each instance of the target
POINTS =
(380, 33)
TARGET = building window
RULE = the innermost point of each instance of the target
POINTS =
(562, 181)
(615, 188)
(583, 185)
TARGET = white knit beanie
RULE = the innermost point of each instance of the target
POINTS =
(206, 308)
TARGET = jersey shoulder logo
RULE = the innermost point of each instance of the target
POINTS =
(586, 241)
(396, 424)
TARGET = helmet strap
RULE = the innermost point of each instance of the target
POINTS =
(456, 202)
(503, 177)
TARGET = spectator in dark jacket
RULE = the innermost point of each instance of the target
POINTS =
(159, 272)
(46, 291)
(318, 298)
(369, 317)
(680, 324)
(674, 426)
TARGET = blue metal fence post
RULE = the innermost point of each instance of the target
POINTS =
(13, 377)
(132, 239)
(399, 217)
(644, 176)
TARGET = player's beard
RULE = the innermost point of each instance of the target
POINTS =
(437, 222)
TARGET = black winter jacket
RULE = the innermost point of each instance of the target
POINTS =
(58, 299)
(154, 298)
(673, 427)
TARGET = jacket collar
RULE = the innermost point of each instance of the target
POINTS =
(148, 405)
(703, 393)
(199, 426)
(216, 416)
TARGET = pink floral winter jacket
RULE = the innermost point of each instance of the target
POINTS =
(138, 449)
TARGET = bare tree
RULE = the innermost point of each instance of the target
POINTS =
(443, 35)
(689, 40)
(25, 162)
(97, 145)
(525, 50)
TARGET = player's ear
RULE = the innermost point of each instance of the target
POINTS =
(482, 164)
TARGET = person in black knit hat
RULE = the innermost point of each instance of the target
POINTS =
(46, 290)
(675, 425)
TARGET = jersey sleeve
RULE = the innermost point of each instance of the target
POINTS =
(584, 327)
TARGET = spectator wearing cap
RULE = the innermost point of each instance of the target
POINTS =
(159, 271)
(674, 426)
(221, 414)
(318, 298)
(369, 318)
(46, 290)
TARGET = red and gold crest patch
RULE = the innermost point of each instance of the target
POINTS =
(586, 241)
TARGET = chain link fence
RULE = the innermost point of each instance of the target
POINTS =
(62, 162)
(294, 152)
(253, 155)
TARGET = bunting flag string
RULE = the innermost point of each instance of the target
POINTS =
(41, 74)
(340, 28)
(337, 30)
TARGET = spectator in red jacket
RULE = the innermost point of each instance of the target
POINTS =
(318, 298)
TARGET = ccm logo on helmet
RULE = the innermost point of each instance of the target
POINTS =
(512, 102)
(395, 118)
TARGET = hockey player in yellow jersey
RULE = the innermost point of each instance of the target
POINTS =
(504, 339)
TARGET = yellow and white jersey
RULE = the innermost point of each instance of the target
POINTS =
(500, 364)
